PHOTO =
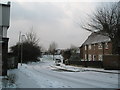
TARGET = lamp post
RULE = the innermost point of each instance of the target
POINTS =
(22, 48)
(19, 44)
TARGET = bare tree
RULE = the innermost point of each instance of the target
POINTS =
(29, 49)
(32, 38)
(106, 21)
(73, 49)
(52, 48)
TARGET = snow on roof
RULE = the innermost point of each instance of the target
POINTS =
(96, 38)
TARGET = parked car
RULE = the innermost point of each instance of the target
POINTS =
(57, 62)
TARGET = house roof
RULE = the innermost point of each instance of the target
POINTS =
(96, 38)
(8, 4)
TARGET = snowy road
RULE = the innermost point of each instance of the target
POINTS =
(42, 75)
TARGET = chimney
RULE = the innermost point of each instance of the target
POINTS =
(8, 2)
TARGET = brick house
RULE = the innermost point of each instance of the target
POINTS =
(95, 47)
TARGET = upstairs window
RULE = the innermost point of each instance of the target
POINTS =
(89, 47)
(100, 46)
(85, 47)
(106, 45)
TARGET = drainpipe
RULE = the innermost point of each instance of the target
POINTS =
(87, 56)
(103, 45)
(87, 52)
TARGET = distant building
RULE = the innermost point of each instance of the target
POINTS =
(95, 47)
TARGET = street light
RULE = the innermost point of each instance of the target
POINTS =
(22, 48)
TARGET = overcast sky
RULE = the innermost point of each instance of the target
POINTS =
(53, 20)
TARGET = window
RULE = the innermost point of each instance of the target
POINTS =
(100, 57)
(106, 45)
(100, 46)
(85, 47)
(89, 47)
(89, 57)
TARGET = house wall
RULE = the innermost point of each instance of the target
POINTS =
(4, 56)
(95, 53)
(4, 24)
(0, 56)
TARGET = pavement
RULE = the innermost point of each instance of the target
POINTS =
(81, 69)
(103, 71)
(6, 82)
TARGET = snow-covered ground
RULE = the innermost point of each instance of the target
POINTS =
(45, 74)
(6, 82)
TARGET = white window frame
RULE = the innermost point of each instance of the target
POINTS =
(90, 47)
(89, 57)
(85, 47)
(100, 57)
(106, 45)
(100, 46)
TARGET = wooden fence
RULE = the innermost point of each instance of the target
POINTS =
(111, 62)
(98, 64)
